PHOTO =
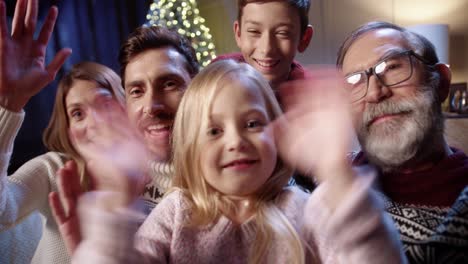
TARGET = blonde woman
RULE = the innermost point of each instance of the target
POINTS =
(230, 202)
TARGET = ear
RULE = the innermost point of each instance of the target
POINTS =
(445, 80)
(305, 40)
(237, 32)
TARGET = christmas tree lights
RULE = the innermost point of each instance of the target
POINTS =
(184, 16)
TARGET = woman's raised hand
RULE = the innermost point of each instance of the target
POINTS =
(23, 70)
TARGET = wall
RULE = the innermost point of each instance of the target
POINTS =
(334, 19)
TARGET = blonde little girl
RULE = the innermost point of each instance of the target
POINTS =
(230, 202)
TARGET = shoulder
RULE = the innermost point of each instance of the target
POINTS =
(292, 194)
(173, 205)
(42, 168)
(50, 161)
(169, 215)
(291, 200)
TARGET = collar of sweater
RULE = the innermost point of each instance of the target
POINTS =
(161, 168)
(438, 186)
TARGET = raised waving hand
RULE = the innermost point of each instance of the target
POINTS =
(315, 133)
(23, 71)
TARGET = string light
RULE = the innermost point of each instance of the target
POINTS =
(184, 17)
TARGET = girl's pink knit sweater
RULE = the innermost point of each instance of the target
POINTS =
(358, 231)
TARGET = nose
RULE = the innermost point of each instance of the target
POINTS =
(153, 104)
(93, 119)
(267, 44)
(236, 141)
(376, 91)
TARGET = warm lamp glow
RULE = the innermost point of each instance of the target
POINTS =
(424, 11)
(438, 35)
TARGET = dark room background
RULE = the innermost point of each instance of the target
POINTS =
(94, 29)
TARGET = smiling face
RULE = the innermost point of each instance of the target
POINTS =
(392, 123)
(268, 35)
(154, 84)
(81, 102)
(238, 151)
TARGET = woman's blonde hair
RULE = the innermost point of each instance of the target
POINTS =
(56, 136)
(207, 204)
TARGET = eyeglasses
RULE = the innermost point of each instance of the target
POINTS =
(390, 71)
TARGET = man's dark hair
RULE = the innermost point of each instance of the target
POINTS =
(154, 37)
(302, 7)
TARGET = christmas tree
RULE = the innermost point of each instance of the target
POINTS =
(184, 16)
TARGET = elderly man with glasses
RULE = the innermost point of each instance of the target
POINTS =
(396, 85)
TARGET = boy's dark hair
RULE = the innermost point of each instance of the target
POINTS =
(302, 7)
(154, 37)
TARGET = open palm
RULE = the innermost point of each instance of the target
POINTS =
(23, 72)
(315, 133)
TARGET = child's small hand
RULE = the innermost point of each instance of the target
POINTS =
(314, 135)
(116, 157)
(69, 191)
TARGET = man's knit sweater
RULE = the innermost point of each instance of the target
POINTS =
(430, 208)
(26, 192)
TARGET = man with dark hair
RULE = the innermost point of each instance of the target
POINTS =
(397, 85)
(157, 65)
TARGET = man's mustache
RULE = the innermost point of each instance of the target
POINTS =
(386, 108)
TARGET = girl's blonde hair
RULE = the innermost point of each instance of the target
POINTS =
(56, 136)
(206, 203)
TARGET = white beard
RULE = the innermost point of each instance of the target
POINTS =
(393, 142)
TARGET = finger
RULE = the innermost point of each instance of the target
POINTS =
(113, 124)
(75, 181)
(31, 17)
(65, 188)
(18, 18)
(324, 88)
(48, 26)
(57, 210)
(280, 128)
(3, 23)
(57, 62)
(100, 173)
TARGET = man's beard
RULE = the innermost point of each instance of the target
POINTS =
(411, 136)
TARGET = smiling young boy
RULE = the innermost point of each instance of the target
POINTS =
(269, 33)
